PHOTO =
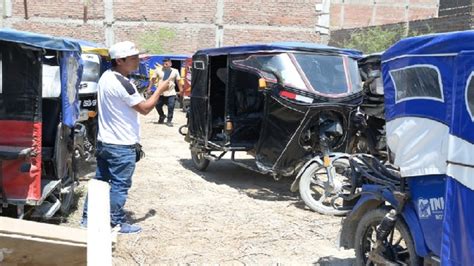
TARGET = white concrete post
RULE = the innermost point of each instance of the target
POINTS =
(323, 23)
(109, 22)
(99, 233)
(220, 23)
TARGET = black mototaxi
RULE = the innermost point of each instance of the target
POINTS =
(282, 103)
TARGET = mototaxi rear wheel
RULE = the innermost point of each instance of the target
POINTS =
(199, 160)
(399, 247)
(68, 187)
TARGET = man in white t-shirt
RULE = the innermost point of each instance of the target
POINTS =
(169, 95)
(119, 103)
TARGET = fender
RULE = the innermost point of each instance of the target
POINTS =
(374, 196)
(370, 199)
(416, 232)
(317, 159)
(411, 219)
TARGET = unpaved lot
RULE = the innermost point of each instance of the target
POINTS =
(226, 215)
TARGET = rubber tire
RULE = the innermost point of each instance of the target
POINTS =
(375, 216)
(305, 193)
(186, 108)
(68, 200)
(200, 164)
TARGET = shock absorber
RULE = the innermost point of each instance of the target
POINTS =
(382, 232)
(323, 140)
(386, 225)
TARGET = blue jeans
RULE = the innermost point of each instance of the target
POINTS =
(170, 101)
(115, 165)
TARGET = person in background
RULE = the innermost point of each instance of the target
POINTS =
(168, 96)
(119, 104)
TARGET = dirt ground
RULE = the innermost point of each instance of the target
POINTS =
(226, 215)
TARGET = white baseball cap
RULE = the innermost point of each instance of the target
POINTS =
(122, 50)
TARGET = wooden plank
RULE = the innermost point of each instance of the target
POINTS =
(33, 243)
(99, 235)
(42, 230)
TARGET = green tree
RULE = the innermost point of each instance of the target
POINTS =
(154, 42)
(376, 39)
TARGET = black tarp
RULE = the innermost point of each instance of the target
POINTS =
(280, 149)
(21, 83)
(282, 123)
(198, 112)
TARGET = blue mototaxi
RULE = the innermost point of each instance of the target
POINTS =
(429, 109)
(151, 62)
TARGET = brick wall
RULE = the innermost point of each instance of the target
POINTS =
(187, 39)
(238, 36)
(193, 11)
(66, 9)
(297, 13)
(362, 13)
(200, 23)
(450, 7)
(89, 32)
(455, 22)
(196, 23)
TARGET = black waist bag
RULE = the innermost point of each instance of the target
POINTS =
(139, 152)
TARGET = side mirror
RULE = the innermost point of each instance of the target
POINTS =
(274, 72)
(374, 74)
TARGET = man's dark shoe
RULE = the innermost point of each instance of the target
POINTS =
(83, 224)
(129, 229)
(169, 123)
(161, 120)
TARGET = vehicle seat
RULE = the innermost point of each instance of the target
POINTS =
(217, 100)
(248, 107)
(50, 118)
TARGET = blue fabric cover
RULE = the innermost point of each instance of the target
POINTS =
(71, 73)
(457, 247)
(39, 40)
(441, 43)
(453, 55)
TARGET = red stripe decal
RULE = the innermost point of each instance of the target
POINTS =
(288, 94)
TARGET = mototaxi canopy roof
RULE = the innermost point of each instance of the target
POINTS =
(39, 40)
(278, 47)
(440, 44)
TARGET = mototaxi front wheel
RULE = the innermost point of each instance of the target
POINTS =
(199, 160)
(398, 248)
(318, 194)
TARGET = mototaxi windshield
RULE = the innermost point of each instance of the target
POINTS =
(325, 75)
(91, 70)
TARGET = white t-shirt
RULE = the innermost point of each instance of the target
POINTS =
(118, 121)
